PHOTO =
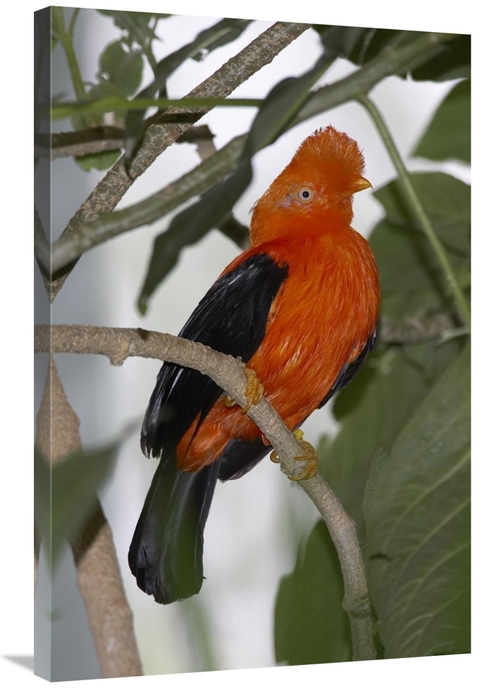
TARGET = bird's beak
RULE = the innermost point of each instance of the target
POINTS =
(360, 185)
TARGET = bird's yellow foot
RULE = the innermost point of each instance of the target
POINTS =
(309, 456)
(254, 391)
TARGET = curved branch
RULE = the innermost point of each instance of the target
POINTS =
(120, 343)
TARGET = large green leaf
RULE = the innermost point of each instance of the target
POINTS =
(65, 493)
(374, 408)
(360, 45)
(411, 279)
(448, 135)
(310, 624)
(417, 512)
(121, 67)
(449, 59)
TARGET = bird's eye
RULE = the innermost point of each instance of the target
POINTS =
(305, 194)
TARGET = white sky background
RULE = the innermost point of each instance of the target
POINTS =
(263, 495)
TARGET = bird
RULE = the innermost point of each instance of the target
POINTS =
(299, 307)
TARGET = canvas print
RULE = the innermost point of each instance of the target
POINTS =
(252, 343)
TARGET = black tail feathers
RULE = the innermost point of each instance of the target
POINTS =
(166, 553)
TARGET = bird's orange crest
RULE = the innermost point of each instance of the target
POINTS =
(317, 186)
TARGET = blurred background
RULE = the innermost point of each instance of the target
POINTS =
(256, 523)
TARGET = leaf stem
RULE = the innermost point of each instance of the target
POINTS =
(417, 207)
(113, 103)
(69, 50)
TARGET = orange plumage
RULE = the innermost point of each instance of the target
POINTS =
(327, 307)
(300, 307)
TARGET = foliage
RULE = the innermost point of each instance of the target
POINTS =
(67, 493)
(405, 426)
(400, 463)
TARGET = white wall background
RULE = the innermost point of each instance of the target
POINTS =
(242, 571)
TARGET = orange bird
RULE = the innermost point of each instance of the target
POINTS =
(300, 309)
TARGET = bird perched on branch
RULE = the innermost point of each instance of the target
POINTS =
(299, 307)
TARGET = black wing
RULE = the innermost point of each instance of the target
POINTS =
(350, 370)
(231, 318)
(166, 553)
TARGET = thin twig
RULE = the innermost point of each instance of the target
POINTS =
(120, 343)
(75, 143)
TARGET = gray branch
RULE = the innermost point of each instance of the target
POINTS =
(120, 343)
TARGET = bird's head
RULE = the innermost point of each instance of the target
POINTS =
(315, 188)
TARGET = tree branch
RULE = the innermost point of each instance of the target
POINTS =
(72, 245)
(412, 330)
(98, 573)
(120, 343)
(75, 143)
(174, 122)
(397, 60)
(92, 231)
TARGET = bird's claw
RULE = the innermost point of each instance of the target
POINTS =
(309, 456)
(253, 392)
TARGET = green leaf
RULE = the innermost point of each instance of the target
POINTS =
(281, 105)
(447, 60)
(373, 409)
(83, 120)
(229, 30)
(417, 512)
(65, 493)
(98, 161)
(311, 626)
(137, 25)
(451, 61)
(359, 45)
(411, 278)
(448, 135)
(190, 226)
(122, 68)
(310, 623)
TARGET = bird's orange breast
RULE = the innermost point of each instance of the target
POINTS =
(320, 320)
